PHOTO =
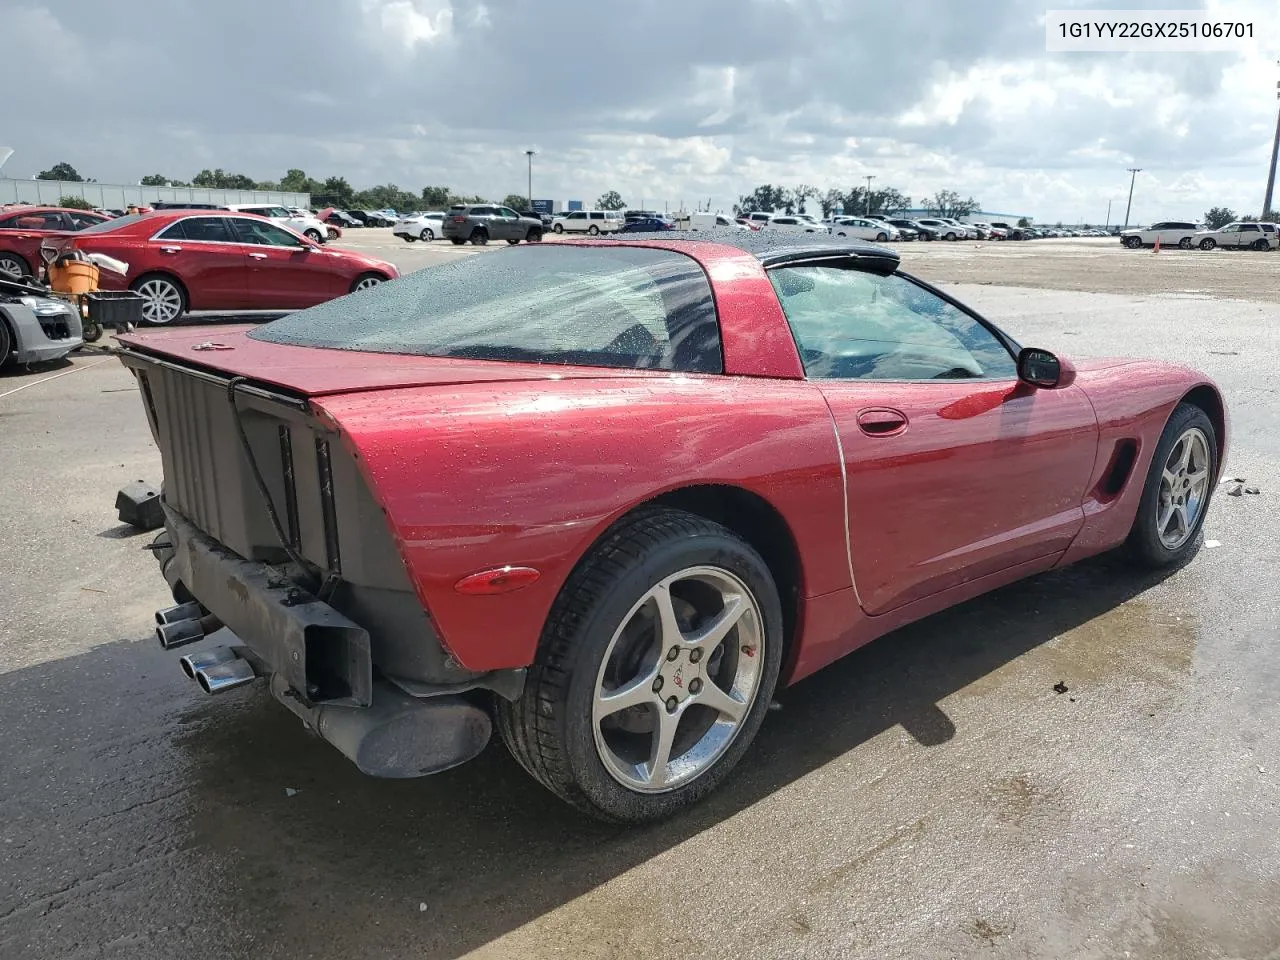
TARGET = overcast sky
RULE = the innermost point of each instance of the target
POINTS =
(663, 100)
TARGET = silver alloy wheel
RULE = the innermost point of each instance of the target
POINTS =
(10, 267)
(163, 301)
(427, 235)
(677, 680)
(367, 283)
(1184, 488)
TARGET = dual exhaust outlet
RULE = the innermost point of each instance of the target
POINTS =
(217, 670)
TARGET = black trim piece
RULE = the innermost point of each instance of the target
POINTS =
(150, 400)
(296, 401)
(324, 465)
(290, 487)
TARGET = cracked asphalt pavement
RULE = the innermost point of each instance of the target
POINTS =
(929, 796)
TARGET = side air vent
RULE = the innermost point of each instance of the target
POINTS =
(1118, 471)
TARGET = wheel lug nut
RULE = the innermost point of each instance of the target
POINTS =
(673, 653)
(695, 685)
(695, 656)
(657, 684)
(672, 704)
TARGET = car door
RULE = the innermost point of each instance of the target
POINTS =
(576, 221)
(285, 271)
(203, 253)
(1248, 235)
(22, 232)
(954, 468)
(508, 222)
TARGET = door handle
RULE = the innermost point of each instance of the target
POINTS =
(170, 249)
(257, 256)
(881, 421)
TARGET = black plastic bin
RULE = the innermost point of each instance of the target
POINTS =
(115, 308)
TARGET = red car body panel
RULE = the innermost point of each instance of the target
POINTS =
(479, 465)
(227, 276)
(25, 240)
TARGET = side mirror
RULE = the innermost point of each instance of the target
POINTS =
(1040, 368)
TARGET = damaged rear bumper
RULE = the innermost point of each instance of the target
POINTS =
(319, 662)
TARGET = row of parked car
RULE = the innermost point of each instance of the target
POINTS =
(1188, 235)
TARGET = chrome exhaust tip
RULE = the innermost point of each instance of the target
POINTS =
(173, 635)
(183, 611)
(221, 677)
(193, 663)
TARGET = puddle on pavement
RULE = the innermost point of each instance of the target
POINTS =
(1019, 798)
(1139, 640)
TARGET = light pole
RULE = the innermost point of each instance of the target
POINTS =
(1108, 214)
(529, 154)
(1271, 177)
(1133, 175)
(870, 177)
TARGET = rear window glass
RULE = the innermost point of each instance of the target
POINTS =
(118, 222)
(593, 306)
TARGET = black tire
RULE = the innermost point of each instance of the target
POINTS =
(593, 230)
(1261, 244)
(427, 235)
(558, 228)
(184, 301)
(6, 343)
(1208, 243)
(1144, 546)
(951, 236)
(457, 241)
(549, 730)
(314, 235)
(514, 241)
(881, 237)
(91, 332)
(1185, 243)
(479, 237)
(533, 236)
(9, 261)
(410, 238)
(366, 281)
(1133, 243)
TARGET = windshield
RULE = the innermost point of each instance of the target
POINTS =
(596, 306)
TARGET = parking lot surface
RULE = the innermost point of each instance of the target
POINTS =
(929, 796)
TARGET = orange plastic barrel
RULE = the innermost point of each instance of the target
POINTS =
(74, 276)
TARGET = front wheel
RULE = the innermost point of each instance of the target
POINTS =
(951, 236)
(593, 230)
(881, 237)
(1208, 243)
(427, 235)
(409, 238)
(1133, 243)
(655, 669)
(367, 281)
(1184, 243)
(479, 238)
(457, 241)
(558, 228)
(1175, 496)
(533, 236)
(314, 235)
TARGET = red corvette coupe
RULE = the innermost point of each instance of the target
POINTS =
(24, 229)
(184, 260)
(607, 495)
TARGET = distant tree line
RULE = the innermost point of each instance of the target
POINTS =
(771, 198)
(1217, 217)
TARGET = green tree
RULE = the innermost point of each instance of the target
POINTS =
(74, 202)
(61, 171)
(1218, 217)
(764, 199)
(296, 181)
(337, 191)
(154, 180)
(947, 203)
(1024, 222)
(610, 200)
(516, 201)
(435, 198)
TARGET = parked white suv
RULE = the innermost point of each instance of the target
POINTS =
(1238, 236)
(794, 224)
(588, 221)
(1171, 233)
(308, 226)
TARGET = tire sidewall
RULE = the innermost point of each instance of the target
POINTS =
(1144, 539)
(592, 638)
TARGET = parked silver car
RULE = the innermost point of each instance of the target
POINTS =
(34, 329)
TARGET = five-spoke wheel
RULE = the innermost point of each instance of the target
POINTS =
(1177, 490)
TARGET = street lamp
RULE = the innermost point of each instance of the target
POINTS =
(1133, 175)
(870, 177)
(529, 154)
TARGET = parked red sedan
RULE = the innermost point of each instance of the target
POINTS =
(207, 260)
(612, 493)
(24, 229)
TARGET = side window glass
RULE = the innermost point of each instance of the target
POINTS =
(854, 325)
(209, 229)
(262, 232)
(175, 231)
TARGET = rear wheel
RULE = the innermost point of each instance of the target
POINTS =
(513, 241)
(13, 267)
(1208, 243)
(427, 235)
(165, 299)
(1177, 490)
(655, 670)
(881, 237)
(951, 236)
(367, 281)
(479, 237)
(533, 236)
(1260, 244)
(457, 241)
(409, 238)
